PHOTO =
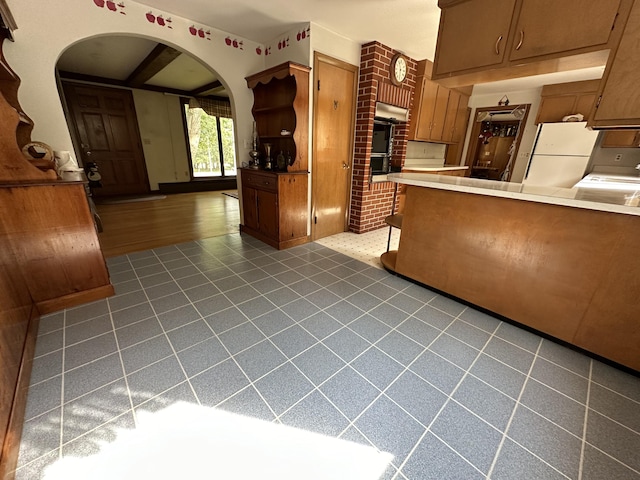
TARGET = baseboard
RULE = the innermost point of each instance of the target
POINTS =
(11, 447)
(75, 299)
(199, 186)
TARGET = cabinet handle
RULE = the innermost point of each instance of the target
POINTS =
(498, 45)
(345, 166)
(521, 40)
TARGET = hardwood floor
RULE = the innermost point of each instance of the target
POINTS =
(179, 218)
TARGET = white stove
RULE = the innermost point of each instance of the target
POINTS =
(610, 182)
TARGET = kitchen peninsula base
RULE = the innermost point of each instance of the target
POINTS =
(572, 273)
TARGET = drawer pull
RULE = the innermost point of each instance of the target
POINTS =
(498, 45)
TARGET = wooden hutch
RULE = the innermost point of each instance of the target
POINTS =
(274, 200)
(50, 258)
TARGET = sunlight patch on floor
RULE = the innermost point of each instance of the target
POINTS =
(190, 441)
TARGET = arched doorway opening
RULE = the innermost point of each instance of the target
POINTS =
(154, 120)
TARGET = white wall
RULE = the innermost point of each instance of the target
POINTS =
(162, 135)
(336, 46)
(515, 98)
(46, 29)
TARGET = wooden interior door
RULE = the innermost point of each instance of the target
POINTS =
(333, 134)
(106, 126)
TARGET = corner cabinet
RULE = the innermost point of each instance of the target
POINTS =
(275, 207)
(488, 40)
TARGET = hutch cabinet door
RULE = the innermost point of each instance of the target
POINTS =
(268, 213)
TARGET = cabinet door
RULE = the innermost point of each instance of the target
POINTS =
(584, 103)
(620, 102)
(472, 34)
(621, 139)
(547, 27)
(268, 214)
(450, 117)
(439, 114)
(554, 108)
(462, 119)
(423, 110)
(250, 207)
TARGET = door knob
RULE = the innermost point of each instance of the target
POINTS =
(345, 166)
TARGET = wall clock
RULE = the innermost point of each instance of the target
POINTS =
(398, 69)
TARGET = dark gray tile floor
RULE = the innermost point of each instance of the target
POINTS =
(311, 338)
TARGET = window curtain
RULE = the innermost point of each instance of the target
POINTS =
(215, 108)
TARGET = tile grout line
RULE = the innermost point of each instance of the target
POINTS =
(585, 424)
(447, 401)
(62, 387)
(230, 355)
(512, 416)
(124, 372)
(168, 341)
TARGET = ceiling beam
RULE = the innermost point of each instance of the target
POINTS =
(205, 88)
(160, 57)
(81, 77)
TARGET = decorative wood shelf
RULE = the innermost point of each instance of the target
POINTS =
(281, 101)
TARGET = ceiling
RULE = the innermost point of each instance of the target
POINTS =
(410, 26)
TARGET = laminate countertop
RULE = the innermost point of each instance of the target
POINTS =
(615, 201)
(434, 169)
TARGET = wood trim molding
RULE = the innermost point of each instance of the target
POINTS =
(74, 299)
(7, 18)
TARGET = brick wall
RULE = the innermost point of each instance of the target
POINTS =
(370, 203)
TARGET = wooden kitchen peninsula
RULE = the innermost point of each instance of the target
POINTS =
(562, 261)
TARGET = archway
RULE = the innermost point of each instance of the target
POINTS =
(158, 80)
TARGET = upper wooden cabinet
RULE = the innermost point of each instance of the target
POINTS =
(562, 99)
(619, 96)
(472, 35)
(438, 113)
(548, 27)
(281, 111)
(621, 139)
(512, 38)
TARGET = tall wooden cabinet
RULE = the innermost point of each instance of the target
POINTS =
(50, 257)
(275, 201)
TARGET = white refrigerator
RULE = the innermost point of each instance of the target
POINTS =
(560, 154)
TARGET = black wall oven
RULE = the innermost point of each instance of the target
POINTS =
(382, 146)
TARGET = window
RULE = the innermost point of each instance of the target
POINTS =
(211, 140)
